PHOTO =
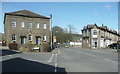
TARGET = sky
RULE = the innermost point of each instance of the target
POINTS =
(78, 14)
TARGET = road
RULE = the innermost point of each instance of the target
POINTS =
(72, 59)
(87, 60)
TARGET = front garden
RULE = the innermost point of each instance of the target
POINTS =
(29, 47)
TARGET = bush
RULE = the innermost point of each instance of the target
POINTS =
(27, 47)
(13, 46)
(36, 45)
(4, 43)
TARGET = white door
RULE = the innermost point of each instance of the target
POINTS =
(95, 43)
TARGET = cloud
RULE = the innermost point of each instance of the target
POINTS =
(108, 6)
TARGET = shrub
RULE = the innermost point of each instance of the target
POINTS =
(13, 46)
(36, 45)
(4, 43)
(27, 47)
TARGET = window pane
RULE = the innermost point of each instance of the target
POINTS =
(45, 26)
(13, 23)
(38, 26)
(44, 38)
(30, 38)
(22, 24)
(95, 32)
(13, 37)
(30, 24)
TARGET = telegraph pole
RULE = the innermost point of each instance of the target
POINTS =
(51, 29)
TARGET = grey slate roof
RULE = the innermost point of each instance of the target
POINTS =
(26, 13)
(90, 26)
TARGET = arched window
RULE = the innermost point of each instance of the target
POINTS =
(44, 38)
(13, 37)
(30, 37)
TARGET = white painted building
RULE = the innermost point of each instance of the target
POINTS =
(95, 37)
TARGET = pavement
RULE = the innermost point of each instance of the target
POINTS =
(72, 59)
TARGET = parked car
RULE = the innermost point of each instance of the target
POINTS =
(114, 46)
(118, 49)
(66, 44)
(110, 46)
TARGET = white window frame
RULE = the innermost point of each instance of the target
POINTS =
(38, 25)
(87, 41)
(30, 24)
(13, 23)
(94, 32)
(13, 37)
(30, 37)
(44, 26)
(44, 38)
(22, 24)
(93, 41)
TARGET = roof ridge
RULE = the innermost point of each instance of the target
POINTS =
(26, 13)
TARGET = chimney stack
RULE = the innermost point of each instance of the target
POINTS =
(102, 25)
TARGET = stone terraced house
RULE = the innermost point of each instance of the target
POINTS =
(95, 37)
(25, 26)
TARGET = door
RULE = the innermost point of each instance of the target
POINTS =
(95, 44)
(22, 40)
(37, 40)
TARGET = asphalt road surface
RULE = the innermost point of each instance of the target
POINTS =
(77, 59)
(72, 59)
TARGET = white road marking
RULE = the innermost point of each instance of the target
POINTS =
(51, 58)
(55, 70)
(55, 60)
(33, 60)
(10, 55)
(90, 55)
(107, 59)
(114, 61)
(58, 51)
(55, 64)
(111, 60)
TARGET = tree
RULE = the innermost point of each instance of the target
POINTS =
(59, 33)
(71, 29)
(63, 35)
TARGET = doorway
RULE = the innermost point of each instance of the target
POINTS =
(22, 40)
(37, 40)
(95, 44)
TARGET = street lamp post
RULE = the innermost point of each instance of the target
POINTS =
(51, 29)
